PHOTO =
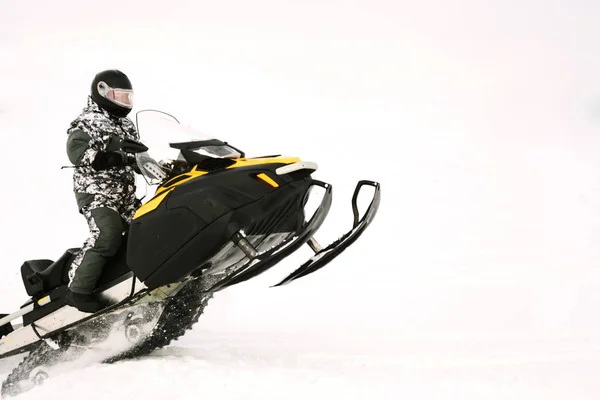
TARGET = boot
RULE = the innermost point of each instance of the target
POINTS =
(87, 303)
(5, 329)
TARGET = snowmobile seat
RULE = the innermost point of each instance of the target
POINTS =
(41, 276)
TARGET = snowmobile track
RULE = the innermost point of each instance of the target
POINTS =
(42, 354)
(181, 312)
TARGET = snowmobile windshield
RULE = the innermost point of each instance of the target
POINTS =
(171, 143)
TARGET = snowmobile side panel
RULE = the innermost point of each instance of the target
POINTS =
(259, 219)
(198, 216)
(326, 255)
(274, 255)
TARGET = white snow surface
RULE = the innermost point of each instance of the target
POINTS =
(479, 277)
(273, 366)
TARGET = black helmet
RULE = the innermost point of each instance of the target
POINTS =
(112, 91)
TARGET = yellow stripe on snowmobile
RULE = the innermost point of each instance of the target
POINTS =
(194, 173)
(244, 162)
(162, 192)
(267, 179)
(152, 204)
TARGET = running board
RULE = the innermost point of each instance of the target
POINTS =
(5, 319)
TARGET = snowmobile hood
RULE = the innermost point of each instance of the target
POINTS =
(179, 154)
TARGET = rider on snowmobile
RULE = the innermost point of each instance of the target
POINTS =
(103, 181)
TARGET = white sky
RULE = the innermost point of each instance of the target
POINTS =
(480, 121)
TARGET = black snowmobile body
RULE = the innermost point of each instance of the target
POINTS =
(216, 219)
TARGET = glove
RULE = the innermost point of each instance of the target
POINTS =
(126, 145)
(109, 159)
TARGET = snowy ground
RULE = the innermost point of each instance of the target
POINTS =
(233, 366)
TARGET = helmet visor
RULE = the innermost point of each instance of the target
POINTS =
(122, 97)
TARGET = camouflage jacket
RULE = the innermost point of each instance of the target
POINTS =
(94, 130)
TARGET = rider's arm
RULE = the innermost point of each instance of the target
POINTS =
(97, 152)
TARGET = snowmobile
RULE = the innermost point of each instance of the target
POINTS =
(216, 218)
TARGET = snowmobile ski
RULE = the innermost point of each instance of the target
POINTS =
(325, 255)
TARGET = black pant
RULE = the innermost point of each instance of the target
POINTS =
(106, 228)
